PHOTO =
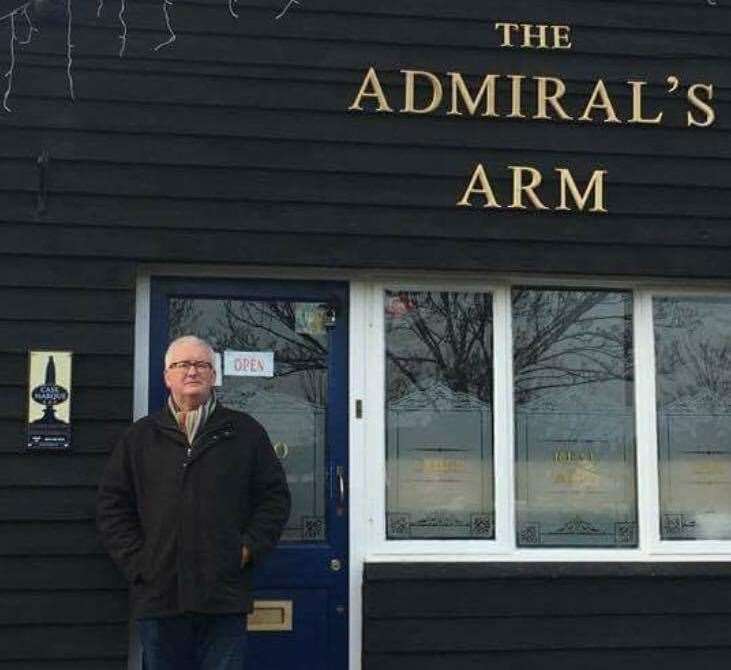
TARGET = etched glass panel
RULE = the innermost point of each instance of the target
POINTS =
(693, 389)
(290, 401)
(439, 415)
(574, 418)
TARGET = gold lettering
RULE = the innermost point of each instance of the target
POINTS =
(442, 466)
(517, 96)
(600, 92)
(410, 92)
(561, 37)
(596, 184)
(479, 184)
(371, 88)
(520, 187)
(571, 456)
(637, 116)
(507, 28)
(539, 35)
(460, 91)
(544, 98)
(703, 106)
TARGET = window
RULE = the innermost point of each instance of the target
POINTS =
(693, 399)
(574, 418)
(535, 420)
(439, 415)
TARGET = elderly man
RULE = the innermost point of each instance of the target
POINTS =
(191, 499)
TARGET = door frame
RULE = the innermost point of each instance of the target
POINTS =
(357, 530)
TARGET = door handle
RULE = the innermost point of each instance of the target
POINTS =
(341, 484)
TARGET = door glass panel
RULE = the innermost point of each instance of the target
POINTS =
(693, 390)
(439, 415)
(574, 424)
(290, 401)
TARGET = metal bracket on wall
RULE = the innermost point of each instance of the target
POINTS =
(43, 162)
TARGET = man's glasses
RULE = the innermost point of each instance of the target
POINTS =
(200, 366)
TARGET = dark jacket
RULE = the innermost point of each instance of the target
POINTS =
(174, 518)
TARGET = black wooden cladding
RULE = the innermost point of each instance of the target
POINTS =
(633, 193)
(62, 604)
(36, 271)
(511, 616)
(95, 370)
(646, 659)
(49, 538)
(90, 434)
(64, 607)
(336, 250)
(242, 127)
(653, 231)
(235, 146)
(97, 663)
(54, 643)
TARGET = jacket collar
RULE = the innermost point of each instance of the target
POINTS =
(218, 421)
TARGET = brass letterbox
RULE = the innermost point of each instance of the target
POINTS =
(270, 615)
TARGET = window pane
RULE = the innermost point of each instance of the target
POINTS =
(693, 363)
(439, 415)
(574, 426)
(291, 404)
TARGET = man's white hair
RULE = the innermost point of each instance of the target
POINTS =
(188, 339)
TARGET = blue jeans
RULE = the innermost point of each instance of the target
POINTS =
(193, 642)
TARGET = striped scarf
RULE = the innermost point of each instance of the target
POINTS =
(193, 420)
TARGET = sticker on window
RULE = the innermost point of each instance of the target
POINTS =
(248, 363)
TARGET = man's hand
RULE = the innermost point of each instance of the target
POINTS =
(245, 555)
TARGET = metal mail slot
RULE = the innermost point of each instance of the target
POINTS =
(270, 615)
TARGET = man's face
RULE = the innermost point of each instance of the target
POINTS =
(192, 387)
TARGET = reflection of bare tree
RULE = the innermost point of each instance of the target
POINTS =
(561, 339)
(693, 353)
(564, 338)
(443, 337)
(270, 326)
(258, 326)
(182, 319)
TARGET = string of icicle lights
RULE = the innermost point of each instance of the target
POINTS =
(22, 30)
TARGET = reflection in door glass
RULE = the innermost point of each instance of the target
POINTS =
(291, 402)
(439, 415)
(693, 390)
(574, 425)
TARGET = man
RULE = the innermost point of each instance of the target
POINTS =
(191, 499)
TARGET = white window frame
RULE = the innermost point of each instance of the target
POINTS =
(657, 546)
(503, 547)
(375, 395)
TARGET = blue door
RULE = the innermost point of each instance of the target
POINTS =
(282, 356)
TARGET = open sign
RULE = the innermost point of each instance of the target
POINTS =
(248, 363)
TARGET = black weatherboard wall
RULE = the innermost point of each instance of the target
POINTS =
(242, 126)
(568, 616)
(234, 146)
(62, 604)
